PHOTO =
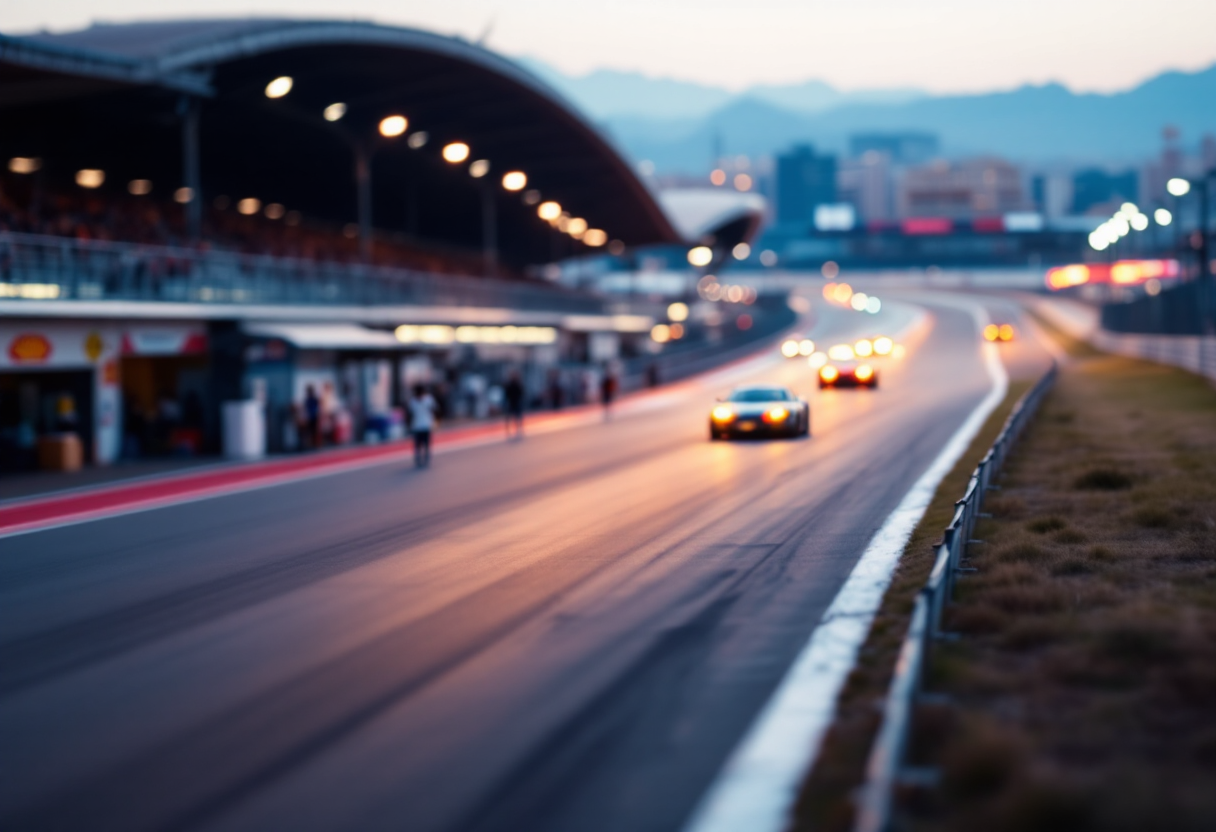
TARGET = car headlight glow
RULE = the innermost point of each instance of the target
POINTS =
(883, 345)
(1006, 332)
(864, 372)
(790, 348)
(722, 413)
(776, 414)
(992, 332)
(863, 348)
(829, 373)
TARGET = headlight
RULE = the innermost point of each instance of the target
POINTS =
(863, 348)
(1006, 332)
(776, 414)
(829, 373)
(883, 345)
(992, 332)
(864, 372)
(790, 348)
(722, 413)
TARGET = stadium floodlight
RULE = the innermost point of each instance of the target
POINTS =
(595, 237)
(456, 152)
(90, 178)
(334, 111)
(24, 164)
(1178, 186)
(479, 168)
(393, 126)
(549, 211)
(279, 87)
(514, 180)
(1163, 216)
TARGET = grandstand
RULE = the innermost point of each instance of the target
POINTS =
(193, 212)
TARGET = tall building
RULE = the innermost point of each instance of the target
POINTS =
(866, 182)
(804, 180)
(900, 148)
(975, 187)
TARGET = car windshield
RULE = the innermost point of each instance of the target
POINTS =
(760, 394)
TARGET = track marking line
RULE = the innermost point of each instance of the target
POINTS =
(759, 783)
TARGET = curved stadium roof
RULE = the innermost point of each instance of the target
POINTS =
(110, 97)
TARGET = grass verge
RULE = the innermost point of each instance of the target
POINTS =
(824, 803)
(1081, 694)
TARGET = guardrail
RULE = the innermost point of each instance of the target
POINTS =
(887, 754)
(38, 267)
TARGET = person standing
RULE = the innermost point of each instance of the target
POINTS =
(607, 391)
(513, 399)
(422, 421)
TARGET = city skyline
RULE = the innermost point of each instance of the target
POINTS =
(943, 46)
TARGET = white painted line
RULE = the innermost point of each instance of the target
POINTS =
(759, 783)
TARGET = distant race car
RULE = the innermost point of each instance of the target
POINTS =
(844, 369)
(760, 410)
(998, 332)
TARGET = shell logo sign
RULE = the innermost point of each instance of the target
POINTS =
(29, 348)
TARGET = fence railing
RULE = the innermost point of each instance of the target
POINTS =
(886, 760)
(40, 267)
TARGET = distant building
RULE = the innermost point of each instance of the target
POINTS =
(1052, 194)
(975, 187)
(866, 182)
(804, 180)
(1096, 188)
(900, 148)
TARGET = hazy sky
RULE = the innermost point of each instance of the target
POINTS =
(940, 45)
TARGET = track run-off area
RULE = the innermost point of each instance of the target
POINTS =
(572, 631)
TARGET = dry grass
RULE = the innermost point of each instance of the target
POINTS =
(1082, 690)
(824, 803)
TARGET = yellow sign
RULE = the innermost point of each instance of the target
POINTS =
(93, 345)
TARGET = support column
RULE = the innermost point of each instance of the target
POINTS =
(191, 177)
(489, 230)
(363, 185)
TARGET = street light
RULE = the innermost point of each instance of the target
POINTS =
(279, 87)
(455, 152)
(1178, 186)
(1163, 216)
(393, 126)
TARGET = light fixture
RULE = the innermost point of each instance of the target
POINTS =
(479, 168)
(279, 87)
(549, 211)
(595, 237)
(90, 178)
(456, 152)
(742, 251)
(249, 206)
(418, 139)
(1178, 186)
(274, 211)
(139, 187)
(334, 111)
(514, 180)
(393, 126)
(616, 247)
(743, 182)
(718, 177)
(677, 312)
(24, 164)
(576, 227)
(700, 256)
(1163, 216)
(531, 197)
(183, 195)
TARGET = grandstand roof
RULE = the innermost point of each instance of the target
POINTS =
(110, 97)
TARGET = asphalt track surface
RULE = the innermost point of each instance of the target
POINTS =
(569, 632)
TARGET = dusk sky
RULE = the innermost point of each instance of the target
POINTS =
(939, 45)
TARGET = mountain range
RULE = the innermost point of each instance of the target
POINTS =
(680, 125)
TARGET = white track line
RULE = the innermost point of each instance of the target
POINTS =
(759, 783)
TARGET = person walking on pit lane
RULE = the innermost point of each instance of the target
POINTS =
(422, 408)
(513, 399)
